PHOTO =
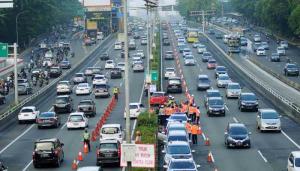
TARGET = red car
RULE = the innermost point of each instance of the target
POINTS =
(211, 64)
(158, 98)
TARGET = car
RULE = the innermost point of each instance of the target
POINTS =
(186, 51)
(63, 87)
(223, 80)
(109, 64)
(140, 53)
(260, 51)
(181, 47)
(47, 151)
(99, 79)
(28, 113)
(203, 82)
(211, 31)
(211, 64)
(211, 93)
(201, 48)
(177, 135)
(55, 72)
(265, 45)
(63, 103)
(178, 117)
(233, 90)
(220, 70)
(135, 109)
(104, 57)
(268, 120)
(293, 163)
(108, 152)
(182, 164)
(88, 107)
(111, 131)
(248, 101)
(24, 89)
(158, 98)
(170, 72)
(121, 65)
(255, 46)
(174, 126)
(218, 35)
(79, 78)
(116, 73)
(169, 55)
(206, 56)
(101, 90)
(196, 44)
(189, 60)
(136, 36)
(88, 71)
(83, 88)
(48, 62)
(166, 42)
(275, 57)
(291, 69)
(284, 44)
(144, 41)
(237, 135)
(281, 51)
(95, 71)
(65, 64)
(174, 85)
(257, 38)
(118, 46)
(77, 120)
(215, 106)
(243, 41)
(48, 119)
(177, 149)
(90, 168)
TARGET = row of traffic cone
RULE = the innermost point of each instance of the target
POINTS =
(80, 157)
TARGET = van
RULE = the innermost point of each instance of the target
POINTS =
(100, 36)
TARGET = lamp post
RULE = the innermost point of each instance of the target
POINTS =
(17, 32)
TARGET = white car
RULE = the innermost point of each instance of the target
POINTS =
(223, 80)
(233, 90)
(257, 38)
(284, 44)
(111, 131)
(268, 120)
(118, 46)
(109, 64)
(99, 79)
(77, 120)
(138, 67)
(144, 41)
(186, 51)
(48, 62)
(63, 87)
(140, 53)
(201, 48)
(135, 109)
(261, 51)
(28, 113)
(136, 59)
(49, 54)
(280, 51)
(170, 72)
(121, 65)
(189, 60)
(196, 44)
(294, 161)
(83, 88)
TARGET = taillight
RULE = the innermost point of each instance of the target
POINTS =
(33, 155)
(119, 152)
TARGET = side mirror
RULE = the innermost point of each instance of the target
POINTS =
(226, 133)
(198, 166)
(258, 116)
(165, 166)
(249, 133)
(193, 151)
(280, 116)
(163, 151)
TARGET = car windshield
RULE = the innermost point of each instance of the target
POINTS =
(21, 87)
(238, 131)
(157, 94)
(60, 100)
(169, 52)
(177, 138)
(297, 162)
(110, 130)
(26, 110)
(82, 86)
(182, 165)
(233, 86)
(47, 114)
(224, 77)
(178, 149)
(63, 83)
(206, 54)
(269, 115)
(85, 103)
(121, 65)
(291, 66)
(99, 77)
(44, 146)
(96, 70)
(98, 86)
(215, 102)
(212, 62)
(170, 70)
(204, 80)
(221, 69)
(108, 145)
(174, 81)
(53, 69)
(65, 62)
(133, 106)
(78, 75)
(178, 117)
(213, 94)
(75, 118)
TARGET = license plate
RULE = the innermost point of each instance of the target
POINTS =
(45, 121)
(75, 124)
(239, 143)
(26, 115)
(108, 155)
(44, 155)
(174, 86)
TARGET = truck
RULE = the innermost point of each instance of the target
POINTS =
(233, 43)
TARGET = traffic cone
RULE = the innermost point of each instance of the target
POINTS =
(209, 157)
(79, 157)
(207, 141)
(74, 165)
(85, 148)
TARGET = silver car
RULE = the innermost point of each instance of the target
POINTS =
(268, 120)
(177, 149)
(223, 80)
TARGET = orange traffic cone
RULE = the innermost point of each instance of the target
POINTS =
(207, 141)
(209, 157)
(79, 157)
(74, 165)
(85, 148)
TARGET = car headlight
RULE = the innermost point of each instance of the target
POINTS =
(243, 103)
(230, 139)
(209, 108)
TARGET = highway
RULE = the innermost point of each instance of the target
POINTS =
(17, 140)
(269, 151)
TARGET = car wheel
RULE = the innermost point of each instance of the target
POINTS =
(20, 122)
(35, 165)
(39, 127)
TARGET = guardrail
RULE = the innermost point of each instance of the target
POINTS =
(256, 80)
(51, 84)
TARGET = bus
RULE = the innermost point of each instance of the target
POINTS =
(192, 36)
(233, 43)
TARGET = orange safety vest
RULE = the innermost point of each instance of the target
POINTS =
(184, 108)
(168, 111)
(192, 110)
(188, 127)
(196, 130)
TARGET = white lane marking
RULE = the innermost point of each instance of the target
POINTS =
(226, 108)
(235, 120)
(65, 124)
(289, 138)
(203, 136)
(212, 157)
(21, 135)
(262, 156)
(26, 167)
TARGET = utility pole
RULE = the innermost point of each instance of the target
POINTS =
(16, 74)
(203, 22)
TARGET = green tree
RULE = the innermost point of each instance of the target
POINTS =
(294, 20)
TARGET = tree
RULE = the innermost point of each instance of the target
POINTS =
(294, 20)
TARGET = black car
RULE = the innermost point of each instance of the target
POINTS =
(63, 104)
(115, 73)
(87, 106)
(248, 101)
(174, 85)
(291, 69)
(48, 119)
(104, 57)
(47, 151)
(55, 72)
(166, 42)
(215, 106)
(275, 57)
(237, 135)
(211, 93)
(136, 36)
(220, 70)
(109, 151)
(206, 56)
(65, 64)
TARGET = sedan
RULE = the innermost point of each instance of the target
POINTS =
(261, 51)
(237, 135)
(265, 45)
(83, 88)
(211, 93)
(65, 64)
(291, 69)
(201, 48)
(215, 106)
(206, 56)
(77, 120)
(109, 64)
(233, 90)
(268, 120)
(248, 101)
(275, 57)
(220, 70)
(203, 82)
(211, 64)
(182, 164)
(79, 78)
(100, 79)
(121, 65)
(48, 119)
(28, 113)
(223, 80)
(104, 57)
(189, 60)
(170, 72)
(281, 51)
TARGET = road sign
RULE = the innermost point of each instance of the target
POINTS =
(3, 50)
(154, 75)
(6, 4)
(128, 152)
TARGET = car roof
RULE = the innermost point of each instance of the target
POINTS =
(109, 141)
(85, 100)
(46, 140)
(135, 103)
(171, 143)
(215, 98)
(202, 76)
(28, 107)
(89, 168)
(247, 94)
(233, 83)
(64, 81)
(212, 90)
(176, 132)
(296, 154)
(237, 125)
(267, 110)
(111, 125)
(76, 113)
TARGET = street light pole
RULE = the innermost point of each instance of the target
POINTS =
(17, 32)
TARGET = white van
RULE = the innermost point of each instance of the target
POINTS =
(100, 36)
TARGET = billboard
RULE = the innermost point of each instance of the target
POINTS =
(93, 3)
(91, 25)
